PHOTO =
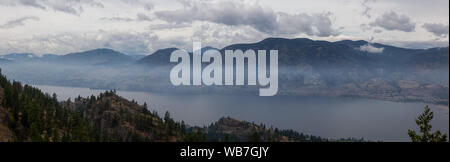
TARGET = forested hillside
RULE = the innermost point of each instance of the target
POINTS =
(28, 114)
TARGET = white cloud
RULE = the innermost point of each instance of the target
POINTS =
(219, 36)
(74, 7)
(371, 49)
(142, 26)
(129, 43)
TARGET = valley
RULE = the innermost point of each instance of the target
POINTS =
(306, 68)
(335, 90)
(29, 115)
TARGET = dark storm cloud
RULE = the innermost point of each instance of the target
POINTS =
(440, 30)
(392, 21)
(17, 22)
(235, 13)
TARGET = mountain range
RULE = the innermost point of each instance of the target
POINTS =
(306, 67)
(291, 52)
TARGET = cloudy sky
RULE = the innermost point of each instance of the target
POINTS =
(143, 26)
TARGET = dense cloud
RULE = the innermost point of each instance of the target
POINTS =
(141, 43)
(237, 13)
(392, 21)
(17, 22)
(218, 36)
(74, 7)
(440, 30)
(143, 26)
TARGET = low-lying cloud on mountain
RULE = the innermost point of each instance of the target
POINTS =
(371, 49)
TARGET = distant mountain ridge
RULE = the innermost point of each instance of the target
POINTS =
(321, 53)
(350, 68)
(292, 51)
(19, 56)
(162, 56)
(28, 57)
(306, 67)
(97, 57)
(159, 57)
(101, 56)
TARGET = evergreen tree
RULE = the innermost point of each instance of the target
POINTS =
(423, 121)
(145, 105)
(227, 138)
(167, 116)
(255, 137)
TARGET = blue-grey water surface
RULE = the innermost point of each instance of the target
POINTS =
(331, 117)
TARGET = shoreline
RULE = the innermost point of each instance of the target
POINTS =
(443, 106)
(446, 107)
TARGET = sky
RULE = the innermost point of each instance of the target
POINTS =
(140, 27)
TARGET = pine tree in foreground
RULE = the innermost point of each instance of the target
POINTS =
(423, 121)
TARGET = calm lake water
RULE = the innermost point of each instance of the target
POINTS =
(323, 116)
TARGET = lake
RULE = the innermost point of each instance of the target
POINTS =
(330, 117)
